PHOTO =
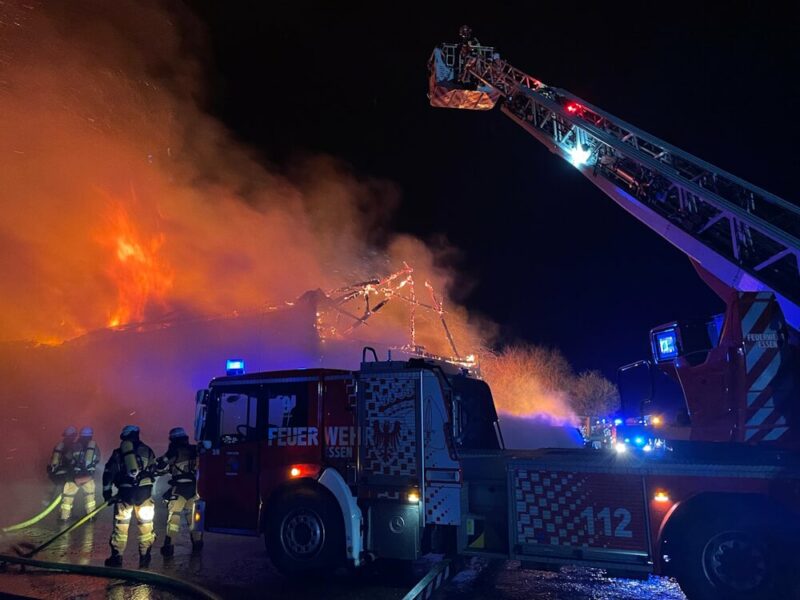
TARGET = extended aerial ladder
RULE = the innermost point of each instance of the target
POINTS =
(738, 371)
(740, 234)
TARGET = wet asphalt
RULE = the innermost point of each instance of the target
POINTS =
(238, 567)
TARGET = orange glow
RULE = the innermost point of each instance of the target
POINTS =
(656, 421)
(527, 380)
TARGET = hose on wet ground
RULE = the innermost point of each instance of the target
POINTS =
(72, 527)
(25, 559)
(33, 520)
(145, 577)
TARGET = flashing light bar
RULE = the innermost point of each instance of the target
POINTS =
(234, 366)
(665, 344)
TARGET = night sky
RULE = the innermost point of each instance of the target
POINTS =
(541, 251)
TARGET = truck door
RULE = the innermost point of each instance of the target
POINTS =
(291, 423)
(230, 471)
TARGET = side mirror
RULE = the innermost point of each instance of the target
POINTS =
(635, 382)
(200, 412)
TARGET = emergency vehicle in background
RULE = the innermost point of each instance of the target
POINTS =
(399, 458)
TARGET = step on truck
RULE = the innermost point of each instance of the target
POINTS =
(400, 458)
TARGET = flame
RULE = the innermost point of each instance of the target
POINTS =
(141, 275)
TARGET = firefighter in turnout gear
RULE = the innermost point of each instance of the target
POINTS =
(180, 462)
(61, 460)
(131, 470)
(84, 455)
(72, 467)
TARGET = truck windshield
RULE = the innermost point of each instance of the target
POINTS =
(476, 415)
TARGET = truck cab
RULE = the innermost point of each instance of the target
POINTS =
(336, 466)
(729, 378)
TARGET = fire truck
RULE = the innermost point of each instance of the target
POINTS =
(399, 458)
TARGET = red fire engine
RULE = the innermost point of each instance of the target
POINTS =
(402, 457)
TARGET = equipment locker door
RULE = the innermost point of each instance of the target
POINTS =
(565, 513)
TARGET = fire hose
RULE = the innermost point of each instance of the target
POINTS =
(33, 520)
(146, 577)
(72, 527)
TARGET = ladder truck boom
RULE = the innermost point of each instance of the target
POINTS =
(739, 372)
(744, 236)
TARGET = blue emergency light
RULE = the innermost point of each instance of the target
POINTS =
(234, 366)
(666, 344)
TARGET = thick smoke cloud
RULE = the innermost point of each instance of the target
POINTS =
(125, 202)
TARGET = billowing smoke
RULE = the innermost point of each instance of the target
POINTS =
(125, 203)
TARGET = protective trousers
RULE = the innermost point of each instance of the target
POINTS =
(175, 507)
(68, 497)
(144, 514)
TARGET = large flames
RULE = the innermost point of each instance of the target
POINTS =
(142, 277)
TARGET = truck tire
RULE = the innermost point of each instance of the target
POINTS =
(722, 558)
(305, 532)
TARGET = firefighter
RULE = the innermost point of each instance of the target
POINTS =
(131, 470)
(180, 462)
(83, 458)
(60, 466)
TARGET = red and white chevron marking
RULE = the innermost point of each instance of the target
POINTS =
(762, 361)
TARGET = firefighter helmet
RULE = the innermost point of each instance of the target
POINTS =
(128, 431)
(70, 432)
(87, 432)
(177, 433)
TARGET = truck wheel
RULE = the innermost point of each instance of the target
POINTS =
(724, 559)
(305, 532)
